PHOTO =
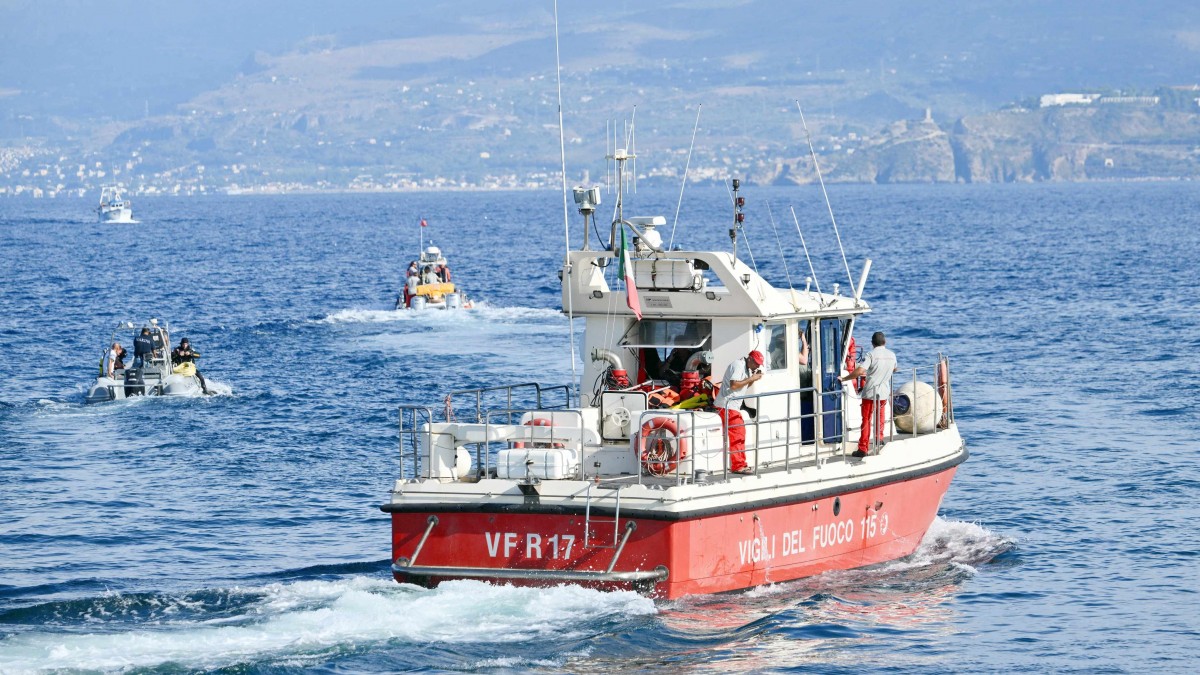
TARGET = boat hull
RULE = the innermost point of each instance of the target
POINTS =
(117, 215)
(105, 389)
(737, 548)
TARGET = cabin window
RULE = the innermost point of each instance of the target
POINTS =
(664, 348)
(775, 339)
(805, 360)
(668, 334)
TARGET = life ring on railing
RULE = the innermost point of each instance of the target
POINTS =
(537, 422)
(662, 446)
(942, 379)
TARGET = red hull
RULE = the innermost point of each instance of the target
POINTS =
(709, 554)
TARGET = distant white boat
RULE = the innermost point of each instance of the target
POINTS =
(113, 207)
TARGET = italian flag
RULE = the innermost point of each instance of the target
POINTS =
(626, 271)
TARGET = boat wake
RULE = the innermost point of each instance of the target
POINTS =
(955, 543)
(74, 398)
(297, 624)
(481, 312)
(950, 552)
(904, 595)
(216, 388)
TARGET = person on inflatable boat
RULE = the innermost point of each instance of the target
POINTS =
(184, 354)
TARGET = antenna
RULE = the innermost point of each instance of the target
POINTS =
(608, 132)
(631, 143)
(738, 216)
(779, 246)
(566, 223)
(686, 166)
(806, 256)
(828, 206)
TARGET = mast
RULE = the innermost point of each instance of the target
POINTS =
(738, 216)
(620, 156)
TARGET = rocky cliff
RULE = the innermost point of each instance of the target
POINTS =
(1097, 142)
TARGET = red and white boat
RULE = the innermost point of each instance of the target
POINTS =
(530, 486)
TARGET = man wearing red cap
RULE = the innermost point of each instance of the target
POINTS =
(739, 375)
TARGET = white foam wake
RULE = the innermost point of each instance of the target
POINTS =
(950, 544)
(957, 543)
(218, 388)
(481, 312)
(309, 618)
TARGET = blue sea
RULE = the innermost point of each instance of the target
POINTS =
(240, 533)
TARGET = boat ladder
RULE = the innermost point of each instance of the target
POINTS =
(599, 525)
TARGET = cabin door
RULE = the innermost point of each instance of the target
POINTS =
(832, 336)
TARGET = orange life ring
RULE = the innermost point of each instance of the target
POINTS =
(660, 455)
(538, 422)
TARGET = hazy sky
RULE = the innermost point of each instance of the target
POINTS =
(118, 55)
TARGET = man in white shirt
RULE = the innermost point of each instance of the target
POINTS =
(878, 365)
(112, 359)
(739, 375)
(410, 289)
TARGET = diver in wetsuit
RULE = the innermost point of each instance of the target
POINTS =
(184, 354)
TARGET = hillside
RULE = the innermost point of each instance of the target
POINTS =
(463, 93)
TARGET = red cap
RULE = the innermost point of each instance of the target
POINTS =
(757, 357)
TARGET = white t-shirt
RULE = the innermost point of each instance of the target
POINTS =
(110, 360)
(735, 371)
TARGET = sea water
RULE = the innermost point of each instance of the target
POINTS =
(241, 532)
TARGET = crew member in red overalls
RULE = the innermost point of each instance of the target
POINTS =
(739, 375)
(878, 365)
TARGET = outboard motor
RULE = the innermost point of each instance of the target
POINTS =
(417, 302)
(453, 301)
(135, 385)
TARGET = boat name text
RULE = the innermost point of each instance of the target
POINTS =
(769, 547)
(536, 546)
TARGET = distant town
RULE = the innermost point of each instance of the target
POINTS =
(1079, 135)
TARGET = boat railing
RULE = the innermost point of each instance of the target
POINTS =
(771, 431)
(415, 425)
(939, 375)
(792, 424)
(509, 397)
(416, 441)
(549, 434)
(682, 460)
(796, 447)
